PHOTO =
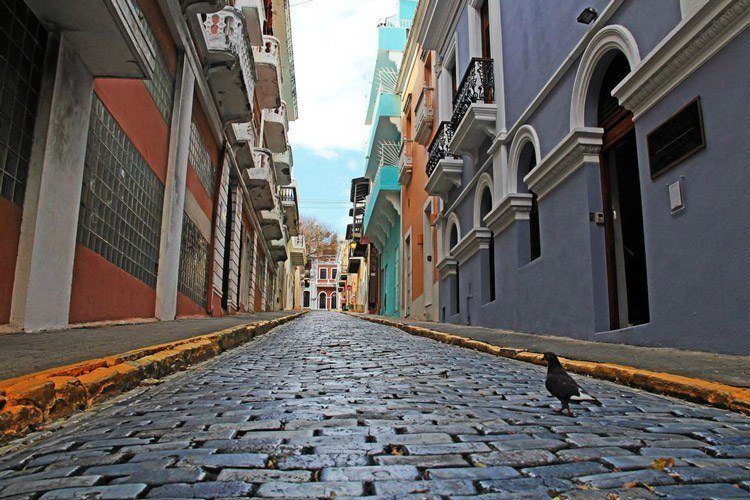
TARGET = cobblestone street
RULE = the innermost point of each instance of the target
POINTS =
(332, 405)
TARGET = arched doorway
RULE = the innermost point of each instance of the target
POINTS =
(333, 301)
(621, 199)
(322, 300)
(306, 299)
(485, 206)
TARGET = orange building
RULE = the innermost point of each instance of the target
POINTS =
(416, 84)
(142, 155)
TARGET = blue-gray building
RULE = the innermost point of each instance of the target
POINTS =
(591, 161)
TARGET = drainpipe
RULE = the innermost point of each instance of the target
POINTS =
(214, 214)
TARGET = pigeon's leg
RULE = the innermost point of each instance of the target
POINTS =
(566, 406)
(559, 410)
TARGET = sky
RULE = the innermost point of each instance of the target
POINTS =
(335, 43)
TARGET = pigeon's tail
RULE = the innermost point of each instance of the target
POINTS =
(585, 398)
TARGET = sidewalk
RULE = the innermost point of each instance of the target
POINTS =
(722, 368)
(24, 353)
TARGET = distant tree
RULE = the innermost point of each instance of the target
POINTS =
(320, 238)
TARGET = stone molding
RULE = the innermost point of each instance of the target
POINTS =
(695, 40)
(515, 206)
(447, 267)
(447, 174)
(475, 240)
(580, 146)
(478, 124)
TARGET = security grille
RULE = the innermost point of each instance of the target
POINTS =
(121, 200)
(193, 278)
(22, 44)
(200, 159)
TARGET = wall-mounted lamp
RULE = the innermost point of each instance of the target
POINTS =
(588, 15)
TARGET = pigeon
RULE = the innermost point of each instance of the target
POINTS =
(563, 387)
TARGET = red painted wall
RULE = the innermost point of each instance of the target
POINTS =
(103, 291)
(10, 230)
(186, 307)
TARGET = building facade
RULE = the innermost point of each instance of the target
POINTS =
(581, 181)
(321, 288)
(143, 148)
(416, 86)
(381, 220)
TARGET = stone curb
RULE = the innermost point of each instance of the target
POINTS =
(29, 401)
(692, 389)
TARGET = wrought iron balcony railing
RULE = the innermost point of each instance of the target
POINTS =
(439, 146)
(478, 85)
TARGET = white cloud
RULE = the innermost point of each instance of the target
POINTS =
(335, 43)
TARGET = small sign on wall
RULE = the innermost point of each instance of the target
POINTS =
(676, 139)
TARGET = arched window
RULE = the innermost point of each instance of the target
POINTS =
(333, 301)
(452, 242)
(526, 163)
(485, 207)
(322, 300)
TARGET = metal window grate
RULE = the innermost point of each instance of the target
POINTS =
(23, 41)
(161, 86)
(121, 200)
(193, 278)
(200, 159)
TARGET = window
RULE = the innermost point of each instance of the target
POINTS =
(526, 163)
(484, 16)
(456, 287)
(23, 41)
(333, 273)
(121, 200)
(322, 300)
(485, 208)
(323, 273)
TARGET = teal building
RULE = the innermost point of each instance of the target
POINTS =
(382, 218)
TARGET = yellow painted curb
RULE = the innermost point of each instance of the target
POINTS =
(692, 389)
(29, 401)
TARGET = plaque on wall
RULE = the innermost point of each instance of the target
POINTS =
(676, 139)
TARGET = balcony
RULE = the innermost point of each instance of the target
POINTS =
(425, 115)
(230, 65)
(244, 142)
(278, 250)
(110, 36)
(255, 15)
(297, 250)
(443, 167)
(405, 162)
(270, 223)
(260, 180)
(474, 108)
(274, 127)
(383, 210)
(283, 163)
(289, 203)
(268, 65)
(192, 7)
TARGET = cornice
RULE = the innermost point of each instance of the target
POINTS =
(447, 267)
(581, 146)
(695, 40)
(471, 243)
(515, 206)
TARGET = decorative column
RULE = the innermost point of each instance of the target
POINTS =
(174, 196)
